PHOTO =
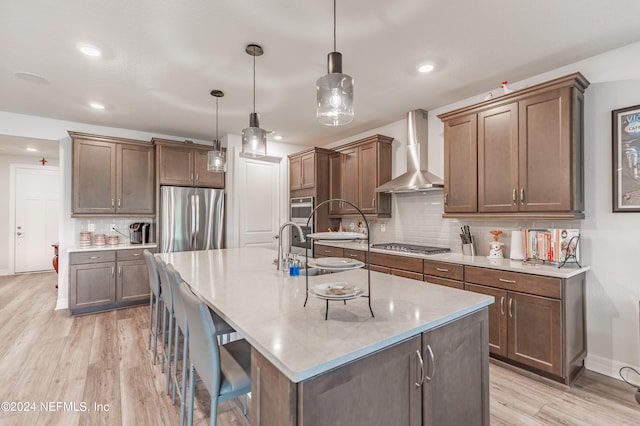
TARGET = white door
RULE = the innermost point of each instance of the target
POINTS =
(36, 217)
(259, 191)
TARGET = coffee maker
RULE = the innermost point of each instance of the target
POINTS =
(139, 232)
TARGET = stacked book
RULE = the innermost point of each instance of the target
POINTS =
(552, 245)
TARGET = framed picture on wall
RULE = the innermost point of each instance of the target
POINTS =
(626, 159)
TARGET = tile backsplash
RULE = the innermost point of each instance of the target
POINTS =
(102, 226)
(417, 219)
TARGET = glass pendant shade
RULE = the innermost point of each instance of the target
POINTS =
(216, 159)
(254, 139)
(335, 97)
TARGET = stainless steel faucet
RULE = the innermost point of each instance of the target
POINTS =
(302, 240)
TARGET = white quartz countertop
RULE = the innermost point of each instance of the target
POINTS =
(124, 246)
(567, 271)
(266, 307)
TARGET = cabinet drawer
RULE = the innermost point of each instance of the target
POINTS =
(382, 269)
(355, 254)
(397, 262)
(443, 269)
(133, 254)
(327, 251)
(407, 274)
(444, 281)
(514, 281)
(78, 258)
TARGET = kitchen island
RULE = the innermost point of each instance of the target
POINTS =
(423, 358)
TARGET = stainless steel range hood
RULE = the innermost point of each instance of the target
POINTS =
(417, 177)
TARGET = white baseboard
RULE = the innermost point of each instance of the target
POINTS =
(606, 366)
(5, 272)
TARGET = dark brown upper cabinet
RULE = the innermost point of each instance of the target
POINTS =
(520, 155)
(112, 176)
(185, 164)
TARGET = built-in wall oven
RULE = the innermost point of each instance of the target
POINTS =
(301, 208)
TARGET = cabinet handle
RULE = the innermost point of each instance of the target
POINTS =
(135, 254)
(118, 202)
(442, 269)
(433, 363)
(113, 202)
(514, 195)
(353, 255)
(94, 257)
(113, 270)
(327, 251)
(197, 176)
(510, 311)
(445, 198)
(119, 271)
(507, 281)
(421, 365)
(373, 202)
(522, 196)
(501, 305)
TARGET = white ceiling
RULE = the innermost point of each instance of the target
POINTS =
(161, 58)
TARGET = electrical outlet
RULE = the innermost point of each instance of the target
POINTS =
(383, 227)
(113, 227)
(91, 227)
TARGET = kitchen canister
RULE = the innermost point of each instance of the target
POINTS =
(85, 238)
(113, 240)
(517, 245)
(99, 240)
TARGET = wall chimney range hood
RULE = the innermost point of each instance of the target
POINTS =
(417, 177)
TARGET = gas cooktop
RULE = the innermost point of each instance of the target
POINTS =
(411, 248)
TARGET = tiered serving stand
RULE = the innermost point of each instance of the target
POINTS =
(348, 296)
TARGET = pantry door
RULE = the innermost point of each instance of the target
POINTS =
(37, 205)
(259, 192)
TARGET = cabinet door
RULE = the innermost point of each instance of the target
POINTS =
(390, 378)
(350, 180)
(135, 177)
(94, 177)
(456, 362)
(308, 172)
(203, 177)
(133, 281)
(295, 173)
(328, 251)
(461, 165)
(176, 165)
(545, 152)
(368, 176)
(497, 317)
(335, 181)
(534, 332)
(92, 285)
(498, 159)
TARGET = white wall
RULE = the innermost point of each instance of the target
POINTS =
(610, 240)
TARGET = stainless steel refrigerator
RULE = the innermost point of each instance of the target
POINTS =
(191, 218)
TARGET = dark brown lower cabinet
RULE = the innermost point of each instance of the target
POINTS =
(456, 385)
(101, 280)
(535, 322)
(437, 378)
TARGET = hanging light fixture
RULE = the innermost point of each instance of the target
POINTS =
(254, 139)
(334, 90)
(216, 159)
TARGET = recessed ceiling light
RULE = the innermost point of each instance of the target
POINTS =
(88, 50)
(96, 105)
(425, 68)
(277, 137)
(32, 149)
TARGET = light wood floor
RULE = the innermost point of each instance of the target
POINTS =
(49, 358)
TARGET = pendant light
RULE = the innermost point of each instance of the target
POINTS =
(254, 139)
(216, 161)
(334, 90)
